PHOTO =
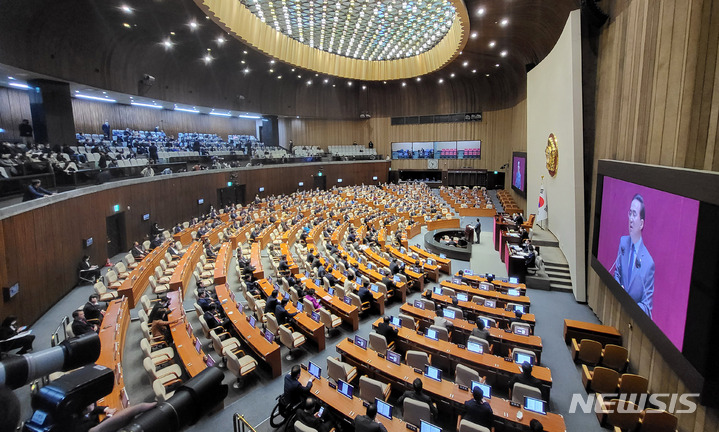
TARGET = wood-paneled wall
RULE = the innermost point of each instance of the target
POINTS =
(40, 247)
(89, 117)
(657, 103)
(14, 107)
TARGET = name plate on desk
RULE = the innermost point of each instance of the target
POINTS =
(460, 346)
(380, 355)
(508, 359)
(411, 427)
(419, 371)
(514, 404)
(465, 388)
(365, 404)
(303, 366)
(332, 386)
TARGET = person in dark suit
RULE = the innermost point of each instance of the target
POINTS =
(272, 302)
(634, 266)
(88, 270)
(205, 302)
(174, 252)
(80, 325)
(35, 191)
(519, 220)
(385, 329)
(293, 390)
(477, 410)
(9, 329)
(365, 294)
(137, 251)
(525, 377)
(307, 416)
(366, 423)
(106, 129)
(93, 311)
(394, 266)
(213, 319)
(283, 317)
(389, 283)
(480, 331)
(478, 229)
(418, 394)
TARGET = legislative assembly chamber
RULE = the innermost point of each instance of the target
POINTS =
(355, 215)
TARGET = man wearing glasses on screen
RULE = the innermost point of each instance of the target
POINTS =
(634, 267)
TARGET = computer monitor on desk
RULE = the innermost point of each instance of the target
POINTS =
(314, 370)
(432, 334)
(521, 358)
(434, 373)
(486, 389)
(535, 405)
(490, 303)
(475, 347)
(345, 388)
(396, 321)
(462, 297)
(331, 291)
(383, 408)
(374, 288)
(300, 306)
(394, 357)
(361, 342)
(419, 304)
(269, 336)
(449, 313)
(428, 427)
(252, 321)
(457, 280)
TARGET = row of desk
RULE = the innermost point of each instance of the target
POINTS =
(136, 283)
(185, 268)
(112, 342)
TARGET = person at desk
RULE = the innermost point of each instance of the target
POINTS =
(272, 302)
(477, 410)
(155, 229)
(156, 241)
(209, 252)
(294, 392)
(536, 426)
(364, 293)
(385, 329)
(366, 423)
(480, 331)
(178, 228)
(310, 296)
(8, 330)
(418, 394)
(525, 377)
(214, 320)
(88, 270)
(283, 317)
(389, 283)
(519, 219)
(283, 268)
(80, 326)
(174, 252)
(634, 266)
(523, 235)
(137, 251)
(307, 415)
(394, 266)
(204, 300)
(93, 311)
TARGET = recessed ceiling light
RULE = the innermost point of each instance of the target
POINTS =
(127, 9)
(474, 35)
(193, 25)
(504, 22)
(451, 75)
(503, 53)
(220, 40)
(293, 69)
(349, 83)
(246, 70)
(481, 11)
(384, 82)
(492, 44)
(326, 81)
(207, 58)
(441, 80)
(364, 87)
(333, 85)
(209, 49)
(299, 76)
(279, 76)
(126, 25)
(207, 17)
(272, 70)
(309, 82)
(172, 33)
(474, 70)
(244, 52)
(486, 75)
(497, 65)
(404, 84)
(242, 61)
(272, 62)
(419, 79)
(465, 64)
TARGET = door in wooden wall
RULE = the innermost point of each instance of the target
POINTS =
(115, 228)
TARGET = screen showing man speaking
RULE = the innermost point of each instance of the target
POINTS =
(646, 242)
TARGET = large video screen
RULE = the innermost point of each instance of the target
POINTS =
(646, 242)
(519, 173)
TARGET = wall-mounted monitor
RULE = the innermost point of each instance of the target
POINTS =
(654, 249)
(519, 173)
(200, 201)
(146, 217)
(87, 242)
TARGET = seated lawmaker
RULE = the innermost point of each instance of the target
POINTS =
(525, 377)
(94, 312)
(418, 394)
(307, 415)
(80, 326)
(294, 392)
(283, 317)
(367, 423)
(478, 410)
(385, 329)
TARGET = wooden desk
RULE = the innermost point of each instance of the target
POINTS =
(496, 368)
(348, 313)
(447, 394)
(253, 337)
(256, 261)
(193, 361)
(603, 334)
(443, 224)
(432, 270)
(500, 224)
(213, 234)
(348, 408)
(414, 229)
(136, 283)
(445, 265)
(516, 264)
(185, 236)
(186, 267)
(501, 286)
(313, 329)
(502, 340)
(112, 343)
(222, 264)
(471, 310)
(502, 299)
(285, 250)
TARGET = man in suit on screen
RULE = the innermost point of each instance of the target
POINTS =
(634, 267)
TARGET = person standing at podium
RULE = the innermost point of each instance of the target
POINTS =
(634, 266)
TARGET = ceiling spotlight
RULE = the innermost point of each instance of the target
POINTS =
(293, 69)
(481, 11)
(220, 40)
(364, 87)
(451, 75)
(326, 81)
(127, 25)
(474, 35)
(309, 82)
(465, 64)
(167, 43)
(486, 75)
(503, 53)
(441, 80)
(299, 76)
(279, 76)
(474, 70)
(497, 65)
(193, 25)
(272, 70)
(418, 79)
(172, 33)
(333, 85)
(127, 9)
(246, 70)
(504, 22)
(404, 84)
(244, 52)
(207, 58)
(492, 44)
(272, 62)
(349, 83)
(242, 61)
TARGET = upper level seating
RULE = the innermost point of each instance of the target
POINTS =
(269, 153)
(307, 151)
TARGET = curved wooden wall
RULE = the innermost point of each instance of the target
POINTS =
(41, 241)
(658, 81)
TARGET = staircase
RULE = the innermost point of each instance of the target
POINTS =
(559, 278)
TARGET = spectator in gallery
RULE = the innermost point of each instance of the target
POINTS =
(25, 130)
(34, 191)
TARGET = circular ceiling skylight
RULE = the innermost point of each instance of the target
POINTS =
(359, 29)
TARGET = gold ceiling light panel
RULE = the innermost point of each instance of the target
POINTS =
(356, 39)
